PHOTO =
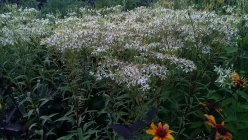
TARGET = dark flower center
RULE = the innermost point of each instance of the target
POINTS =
(239, 83)
(221, 129)
(161, 132)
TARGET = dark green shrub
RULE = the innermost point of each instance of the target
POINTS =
(61, 6)
(127, 4)
(28, 3)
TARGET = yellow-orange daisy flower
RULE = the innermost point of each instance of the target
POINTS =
(221, 131)
(160, 132)
(237, 80)
(235, 76)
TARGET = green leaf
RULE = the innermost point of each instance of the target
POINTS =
(30, 112)
(39, 132)
(32, 125)
(80, 133)
(47, 118)
(196, 124)
(242, 125)
(44, 101)
(67, 137)
(231, 50)
(243, 94)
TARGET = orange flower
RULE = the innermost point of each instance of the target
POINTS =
(235, 76)
(161, 132)
(236, 79)
(221, 131)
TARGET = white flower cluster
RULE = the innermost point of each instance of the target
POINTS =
(224, 76)
(22, 25)
(135, 45)
(246, 21)
(131, 74)
(173, 29)
(184, 64)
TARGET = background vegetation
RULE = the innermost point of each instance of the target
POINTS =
(50, 93)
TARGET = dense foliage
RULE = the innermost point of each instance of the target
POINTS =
(73, 74)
